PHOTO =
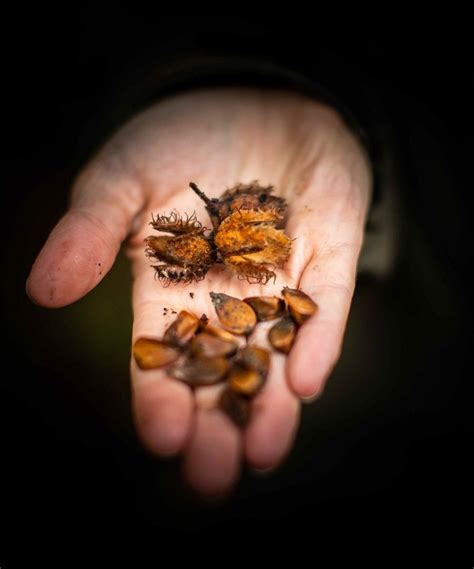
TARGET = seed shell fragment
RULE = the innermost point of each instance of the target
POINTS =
(180, 332)
(300, 305)
(245, 380)
(235, 406)
(152, 354)
(266, 307)
(235, 315)
(213, 343)
(255, 358)
(200, 371)
(249, 371)
(282, 334)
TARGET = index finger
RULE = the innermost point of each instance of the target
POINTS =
(329, 279)
(162, 407)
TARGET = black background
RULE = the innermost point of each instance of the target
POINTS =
(387, 467)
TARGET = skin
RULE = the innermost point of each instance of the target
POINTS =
(217, 138)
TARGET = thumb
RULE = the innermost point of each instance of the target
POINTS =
(82, 247)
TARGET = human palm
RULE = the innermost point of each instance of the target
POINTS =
(218, 138)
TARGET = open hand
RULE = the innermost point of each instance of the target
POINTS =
(218, 138)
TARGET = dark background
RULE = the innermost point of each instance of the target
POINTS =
(383, 460)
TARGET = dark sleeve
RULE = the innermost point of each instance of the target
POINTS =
(187, 59)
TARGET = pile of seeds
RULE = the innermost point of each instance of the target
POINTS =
(198, 353)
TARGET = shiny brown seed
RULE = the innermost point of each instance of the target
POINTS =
(151, 354)
(266, 307)
(250, 370)
(282, 334)
(214, 343)
(300, 305)
(220, 333)
(245, 380)
(182, 329)
(200, 371)
(235, 406)
(235, 315)
(256, 358)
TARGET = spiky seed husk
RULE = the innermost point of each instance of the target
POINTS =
(247, 237)
(183, 250)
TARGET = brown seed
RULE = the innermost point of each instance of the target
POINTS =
(235, 406)
(250, 370)
(219, 333)
(151, 354)
(266, 307)
(214, 343)
(282, 334)
(299, 303)
(245, 380)
(182, 329)
(256, 358)
(236, 316)
(200, 371)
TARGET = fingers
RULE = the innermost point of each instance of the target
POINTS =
(171, 419)
(213, 457)
(162, 407)
(275, 413)
(82, 247)
(331, 218)
(165, 411)
(271, 432)
(162, 411)
(329, 279)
